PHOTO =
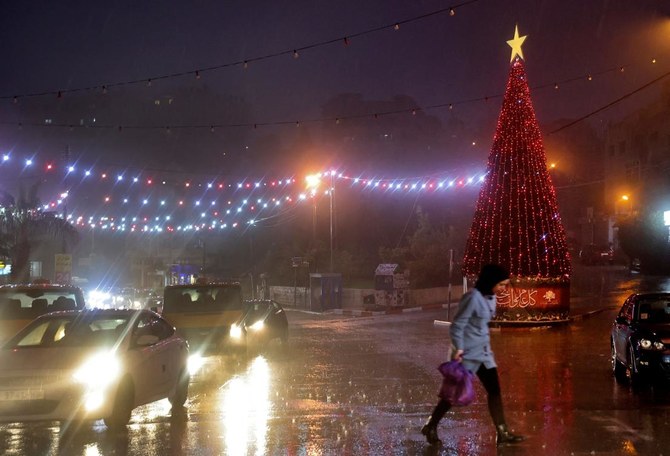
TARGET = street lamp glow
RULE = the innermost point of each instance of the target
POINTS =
(313, 180)
(625, 197)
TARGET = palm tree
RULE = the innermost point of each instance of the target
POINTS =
(21, 221)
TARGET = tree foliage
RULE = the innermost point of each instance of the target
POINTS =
(426, 254)
(21, 221)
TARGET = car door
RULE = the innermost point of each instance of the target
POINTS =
(622, 329)
(153, 374)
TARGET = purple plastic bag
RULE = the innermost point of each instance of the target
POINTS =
(457, 387)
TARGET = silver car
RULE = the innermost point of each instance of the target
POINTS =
(92, 364)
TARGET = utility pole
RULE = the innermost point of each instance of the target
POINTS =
(66, 193)
(332, 203)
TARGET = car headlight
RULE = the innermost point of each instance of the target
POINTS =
(258, 325)
(235, 331)
(98, 371)
(195, 362)
(651, 345)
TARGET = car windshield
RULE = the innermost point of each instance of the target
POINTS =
(256, 311)
(655, 310)
(29, 303)
(71, 331)
(202, 298)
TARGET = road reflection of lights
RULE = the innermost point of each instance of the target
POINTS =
(151, 412)
(629, 447)
(313, 450)
(246, 408)
(92, 450)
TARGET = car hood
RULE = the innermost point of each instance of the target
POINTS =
(659, 330)
(33, 359)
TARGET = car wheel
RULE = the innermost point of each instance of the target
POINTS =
(123, 406)
(618, 369)
(181, 390)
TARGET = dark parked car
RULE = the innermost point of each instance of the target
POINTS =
(640, 339)
(262, 322)
(596, 254)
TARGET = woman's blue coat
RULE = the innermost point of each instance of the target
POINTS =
(470, 330)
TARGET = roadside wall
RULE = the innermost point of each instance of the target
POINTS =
(358, 298)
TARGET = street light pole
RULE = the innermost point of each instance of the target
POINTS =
(332, 203)
(313, 181)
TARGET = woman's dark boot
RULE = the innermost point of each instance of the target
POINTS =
(430, 431)
(504, 436)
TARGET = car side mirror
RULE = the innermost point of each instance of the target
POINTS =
(620, 320)
(146, 340)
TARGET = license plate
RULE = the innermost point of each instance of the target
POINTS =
(21, 395)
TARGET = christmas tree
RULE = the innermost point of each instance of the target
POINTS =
(517, 222)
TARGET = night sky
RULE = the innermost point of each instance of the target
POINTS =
(436, 60)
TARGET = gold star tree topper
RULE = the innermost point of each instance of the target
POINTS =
(515, 43)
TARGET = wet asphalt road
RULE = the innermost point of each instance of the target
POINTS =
(365, 385)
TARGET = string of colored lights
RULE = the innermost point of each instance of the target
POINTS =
(121, 210)
(133, 176)
(247, 214)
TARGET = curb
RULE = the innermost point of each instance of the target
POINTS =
(590, 313)
(429, 307)
(372, 313)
